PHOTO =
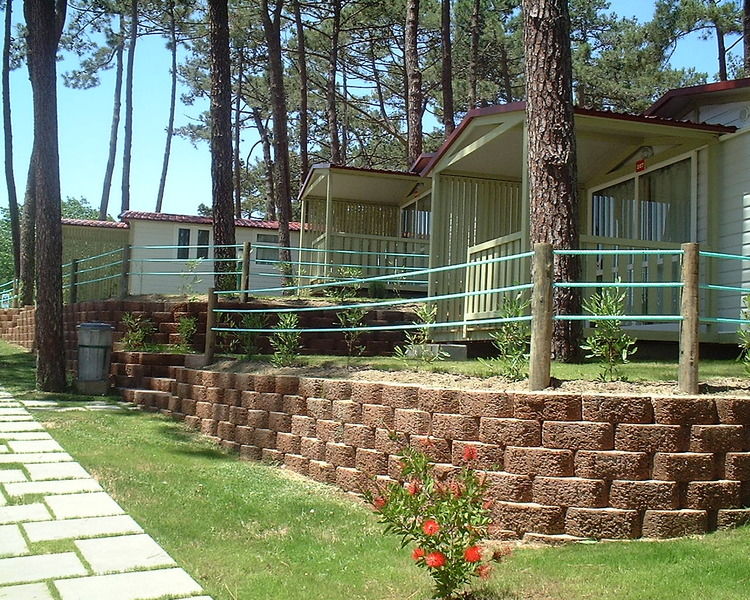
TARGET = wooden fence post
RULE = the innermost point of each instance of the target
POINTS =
(74, 281)
(541, 317)
(245, 281)
(124, 270)
(690, 324)
(210, 324)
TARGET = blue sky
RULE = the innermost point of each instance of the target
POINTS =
(85, 115)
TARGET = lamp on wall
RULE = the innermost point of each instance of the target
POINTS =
(646, 151)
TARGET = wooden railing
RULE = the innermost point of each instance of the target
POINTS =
(487, 276)
(375, 255)
(634, 268)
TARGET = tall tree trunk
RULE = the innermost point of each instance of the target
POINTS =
(10, 180)
(115, 127)
(378, 83)
(746, 35)
(722, 52)
(333, 122)
(446, 72)
(28, 235)
(414, 82)
(172, 100)
(303, 92)
(128, 141)
(43, 33)
(221, 142)
(272, 30)
(237, 131)
(474, 25)
(505, 67)
(344, 114)
(552, 154)
(265, 142)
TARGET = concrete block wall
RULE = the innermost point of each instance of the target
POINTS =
(559, 466)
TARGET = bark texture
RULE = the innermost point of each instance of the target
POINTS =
(43, 23)
(128, 141)
(746, 35)
(10, 180)
(413, 82)
(265, 142)
(331, 109)
(446, 74)
(237, 138)
(474, 26)
(172, 100)
(28, 235)
(115, 127)
(303, 92)
(552, 154)
(272, 30)
(221, 142)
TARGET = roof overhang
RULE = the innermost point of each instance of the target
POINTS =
(359, 185)
(678, 102)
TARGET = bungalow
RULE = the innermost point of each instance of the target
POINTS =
(170, 254)
(676, 174)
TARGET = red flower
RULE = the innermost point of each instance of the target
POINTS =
(456, 489)
(484, 571)
(417, 553)
(379, 502)
(470, 453)
(473, 554)
(413, 488)
(430, 527)
(435, 560)
(488, 504)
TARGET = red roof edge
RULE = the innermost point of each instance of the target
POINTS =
(707, 88)
(134, 215)
(94, 223)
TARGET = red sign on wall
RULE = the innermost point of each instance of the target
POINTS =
(640, 166)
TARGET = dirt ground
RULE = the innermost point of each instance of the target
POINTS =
(715, 386)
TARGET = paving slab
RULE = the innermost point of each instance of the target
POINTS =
(24, 512)
(11, 475)
(42, 531)
(14, 411)
(39, 403)
(145, 585)
(25, 569)
(4, 449)
(29, 591)
(21, 426)
(35, 446)
(13, 418)
(66, 486)
(46, 471)
(198, 598)
(12, 542)
(25, 435)
(35, 457)
(71, 506)
(123, 553)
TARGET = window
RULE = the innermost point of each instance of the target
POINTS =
(183, 240)
(653, 207)
(203, 237)
(416, 219)
(263, 254)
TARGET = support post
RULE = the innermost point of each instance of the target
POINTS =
(74, 281)
(210, 324)
(124, 270)
(690, 324)
(541, 317)
(245, 281)
(14, 302)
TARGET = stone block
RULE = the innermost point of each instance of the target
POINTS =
(607, 408)
(510, 432)
(689, 410)
(539, 461)
(674, 523)
(602, 523)
(546, 406)
(577, 435)
(644, 495)
(612, 464)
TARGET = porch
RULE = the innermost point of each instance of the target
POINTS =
(365, 223)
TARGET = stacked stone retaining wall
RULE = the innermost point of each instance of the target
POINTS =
(559, 466)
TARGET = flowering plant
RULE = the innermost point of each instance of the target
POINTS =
(445, 520)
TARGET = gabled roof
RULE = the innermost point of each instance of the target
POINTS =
(675, 101)
(93, 223)
(133, 215)
(521, 106)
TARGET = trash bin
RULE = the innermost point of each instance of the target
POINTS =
(94, 352)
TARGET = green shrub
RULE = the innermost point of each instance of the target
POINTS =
(248, 340)
(608, 343)
(341, 293)
(744, 335)
(350, 319)
(418, 338)
(511, 340)
(186, 329)
(286, 344)
(138, 332)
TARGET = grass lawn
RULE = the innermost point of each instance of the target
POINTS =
(249, 531)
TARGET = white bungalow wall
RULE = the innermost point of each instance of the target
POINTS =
(179, 279)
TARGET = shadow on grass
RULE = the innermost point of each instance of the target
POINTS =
(191, 444)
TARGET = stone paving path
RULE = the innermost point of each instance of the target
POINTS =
(98, 552)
